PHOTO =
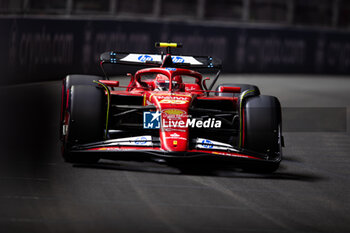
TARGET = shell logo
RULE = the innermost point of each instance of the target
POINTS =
(177, 112)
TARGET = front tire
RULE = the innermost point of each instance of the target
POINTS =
(67, 83)
(86, 121)
(263, 130)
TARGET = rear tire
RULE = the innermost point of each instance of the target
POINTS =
(86, 121)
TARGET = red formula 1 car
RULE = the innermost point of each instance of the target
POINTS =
(168, 114)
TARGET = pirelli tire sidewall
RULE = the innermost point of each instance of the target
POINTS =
(87, 117)
(262, 125)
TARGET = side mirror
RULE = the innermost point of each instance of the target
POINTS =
(230, 89)
(110, 83)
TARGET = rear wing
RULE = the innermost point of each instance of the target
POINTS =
(161, 60)
(157, 60)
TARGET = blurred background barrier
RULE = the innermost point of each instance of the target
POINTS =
(45, 40)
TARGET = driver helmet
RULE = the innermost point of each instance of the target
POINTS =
(162, 83)
(177, 83)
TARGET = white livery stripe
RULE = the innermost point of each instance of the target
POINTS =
(132, 141)
(143, 58)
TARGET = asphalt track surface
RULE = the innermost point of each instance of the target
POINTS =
(40, 193)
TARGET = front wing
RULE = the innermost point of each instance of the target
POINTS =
(197, 156)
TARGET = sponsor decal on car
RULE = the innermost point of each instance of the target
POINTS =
(177, 138)
(173, 101)
(203, 143)
(140, 141)
(138, 57)
(191, 88)
(144, 141)
(171, 69)
(145, 58)
(207, 143)
(174, 111)
(167, 99)
(161, 96)
(178, 59)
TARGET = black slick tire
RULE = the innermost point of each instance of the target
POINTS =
(262, 130)
(67, 83)
(86, 121)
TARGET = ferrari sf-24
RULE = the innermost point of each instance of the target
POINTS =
(168, 113)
